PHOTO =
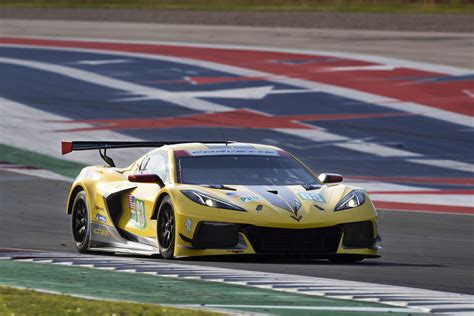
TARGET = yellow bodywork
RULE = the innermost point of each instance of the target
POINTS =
(100, 181)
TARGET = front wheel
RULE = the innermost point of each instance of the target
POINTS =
(166, 228)
(80, 222)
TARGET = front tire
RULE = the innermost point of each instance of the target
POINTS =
(80, 222)
(166, 228)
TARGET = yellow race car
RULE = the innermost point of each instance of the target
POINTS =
(200, 199)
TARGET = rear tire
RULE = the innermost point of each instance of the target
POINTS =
(80, 222)
(345, 259)
(166, 228)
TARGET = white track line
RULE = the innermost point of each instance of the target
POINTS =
(311, 308)
(392, 103)
(394, 62)
(135, 89)
(466, 200)
(40, 173)
(199, 105)
(345, 92)
(347, 143)
(451, 164)
(28, 128)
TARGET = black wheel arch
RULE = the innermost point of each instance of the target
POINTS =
(158, 203)
(70, 202)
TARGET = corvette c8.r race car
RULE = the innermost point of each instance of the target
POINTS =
(199, 199)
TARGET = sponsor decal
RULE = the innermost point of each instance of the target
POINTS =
(101, 232)
(249, 198)
(232, 151)
(100, 218)
(311, 196)
(243, 198)
(137, 212)
(188, 223)
(259, 208)
(99, 209)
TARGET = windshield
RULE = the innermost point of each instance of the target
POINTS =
(242, 170)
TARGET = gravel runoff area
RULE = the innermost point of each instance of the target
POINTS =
(320, 20)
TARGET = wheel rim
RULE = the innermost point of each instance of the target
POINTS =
(166, 227)
(80, 221)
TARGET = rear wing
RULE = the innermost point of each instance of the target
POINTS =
(102, 146)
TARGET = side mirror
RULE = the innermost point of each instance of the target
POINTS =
(146, 178)
(330, 178)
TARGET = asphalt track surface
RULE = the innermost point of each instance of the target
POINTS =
(315, 20)
(445, 48)
(431, 251)
(355, 137)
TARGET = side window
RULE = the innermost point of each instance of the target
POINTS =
(156, 163)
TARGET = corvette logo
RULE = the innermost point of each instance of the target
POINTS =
(295, 208)
(101, 232)
(296, 218)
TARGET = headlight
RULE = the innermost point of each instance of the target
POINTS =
(355, 198)
(210, 201)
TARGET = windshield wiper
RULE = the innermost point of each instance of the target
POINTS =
(218, 186)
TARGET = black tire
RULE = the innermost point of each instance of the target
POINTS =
(346, 259)
(80, 222)
(166, 229)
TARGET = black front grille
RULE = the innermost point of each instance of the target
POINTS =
(278, 240)
(215, 235)
(359, 235)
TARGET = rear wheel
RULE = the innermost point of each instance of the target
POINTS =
(166, 228)
(80, 222)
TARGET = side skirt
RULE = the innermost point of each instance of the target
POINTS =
(107, 238)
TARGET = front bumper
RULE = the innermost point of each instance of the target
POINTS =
(217, 238)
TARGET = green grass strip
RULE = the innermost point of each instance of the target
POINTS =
(27, 302)
(383, 6)
(18, 156)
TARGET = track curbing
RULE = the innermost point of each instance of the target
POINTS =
(432, 301)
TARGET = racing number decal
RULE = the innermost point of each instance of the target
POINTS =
(312, 196)
(140, 214)
(137, 212)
